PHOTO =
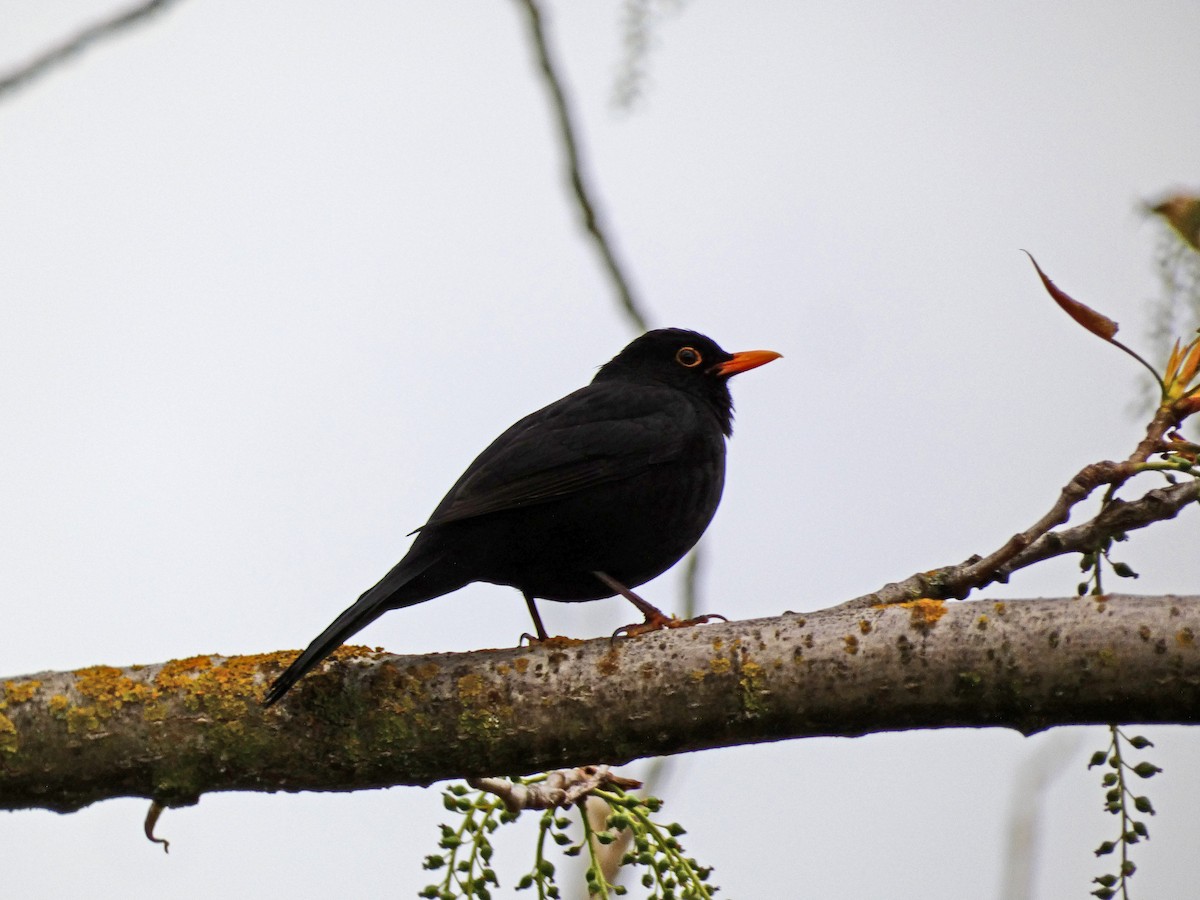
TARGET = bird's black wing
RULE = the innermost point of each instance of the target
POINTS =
(604, 432)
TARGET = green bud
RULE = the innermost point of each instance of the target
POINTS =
(433, 861)
(1146, 769)
(525, 883)
(1099, 758)
(1106, 848)
(1142, 804)
(1137, 742)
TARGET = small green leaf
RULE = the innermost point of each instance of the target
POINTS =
(1121, 570)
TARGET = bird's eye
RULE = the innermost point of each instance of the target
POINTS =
(688, 356)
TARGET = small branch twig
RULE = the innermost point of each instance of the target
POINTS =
(78, 42)
(561, 788)
(1040, 541)
(584, 194)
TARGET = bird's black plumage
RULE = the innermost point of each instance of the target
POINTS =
(603, 489)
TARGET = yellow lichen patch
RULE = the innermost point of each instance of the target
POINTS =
(179, 673)
(109, 688)
(353, 651)
(1000, 607)
(864, 626)
(59, 704)
(720, 665)
(982, 622)
(470, 689)
(8, 735)
(1185, 637)
(19, 691)
(851, 642)
(925, 612)
(751, 683)
(717, 644)
(521, 664)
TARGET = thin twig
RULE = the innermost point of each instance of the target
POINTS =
(1039, 542)
(59, 54)
(584, 194)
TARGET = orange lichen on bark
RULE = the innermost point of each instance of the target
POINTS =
(19, 691)
(109, 688)
(925, 612)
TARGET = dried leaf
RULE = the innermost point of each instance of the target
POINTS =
(1182, 211)
(1097, 323)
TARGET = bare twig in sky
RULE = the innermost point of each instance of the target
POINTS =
(81, 40)
(584, 193)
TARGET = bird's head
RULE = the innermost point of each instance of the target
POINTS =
(688, 361)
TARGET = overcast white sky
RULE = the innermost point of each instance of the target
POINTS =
(273, 273)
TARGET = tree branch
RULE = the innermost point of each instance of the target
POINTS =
(78, 42)
(173, 731)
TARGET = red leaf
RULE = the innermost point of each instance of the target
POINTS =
(1097, 323)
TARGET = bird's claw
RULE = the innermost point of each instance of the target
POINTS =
(660, 621)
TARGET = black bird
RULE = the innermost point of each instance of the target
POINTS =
(589, 497)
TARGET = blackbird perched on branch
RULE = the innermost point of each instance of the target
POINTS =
(589, 497)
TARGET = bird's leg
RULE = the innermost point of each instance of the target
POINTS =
(656, 619)
(537, 620)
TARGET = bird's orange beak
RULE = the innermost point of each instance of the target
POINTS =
(747, 359)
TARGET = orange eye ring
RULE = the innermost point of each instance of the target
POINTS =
(689, 357)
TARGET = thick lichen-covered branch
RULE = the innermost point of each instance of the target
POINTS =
(174, 731)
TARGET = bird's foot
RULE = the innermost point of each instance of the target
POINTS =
(658, 621)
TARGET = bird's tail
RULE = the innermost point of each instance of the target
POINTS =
(388, 594)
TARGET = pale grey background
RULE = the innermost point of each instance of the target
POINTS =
(273, 273)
